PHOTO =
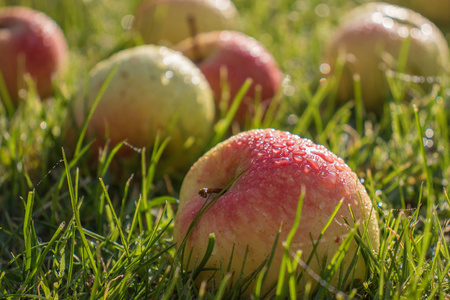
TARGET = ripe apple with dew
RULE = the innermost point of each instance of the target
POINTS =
(371, 38)
(167, 21)
(273, 167)
(243, 57)
(30, 42)
(155, 90)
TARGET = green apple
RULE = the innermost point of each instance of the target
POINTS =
(370, 39)
(167, 21)
(155, 90)
(267, 170)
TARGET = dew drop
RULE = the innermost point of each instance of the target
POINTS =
(306, 169)
(323, 156)
(299, 152)
(339, 167)
(276, 151)
(290, 142)
(283, 161)
(279, 145)
(313, 164)
(297, 158)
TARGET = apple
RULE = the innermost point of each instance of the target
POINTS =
(438, 11)
(243, 57)
(371, 37)
(30, 42)
(167, 21)
(273, 167)
(155, 90)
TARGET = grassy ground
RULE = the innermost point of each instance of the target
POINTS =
(70, 231)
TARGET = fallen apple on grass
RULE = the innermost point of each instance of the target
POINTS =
(370, 40)
(242, 57)
(30, 43)
(270, 168)
(155, 90)
(166, 22)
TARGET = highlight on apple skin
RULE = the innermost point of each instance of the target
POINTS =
(243, 57)
(155, 90)
(275, 165)
(166, 22)
(370, 39)
(438, 11)
(30, 42)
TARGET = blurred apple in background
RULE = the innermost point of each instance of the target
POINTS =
(30, 42)
(243, 57)
(167, 21)
(438, 11)
(370, 39)
(267, 170)
(154, 90)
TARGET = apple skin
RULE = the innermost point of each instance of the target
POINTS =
(152, 87)
(243, 57)
(371, 37)
(166, 21)
(275, 166)
(33, 36)
(438, 11)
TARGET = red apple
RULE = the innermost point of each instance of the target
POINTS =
(243, 57)
(371, 38)
(275, 165)
(30, 42)
(166, 22)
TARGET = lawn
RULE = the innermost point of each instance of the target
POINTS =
(73, 229)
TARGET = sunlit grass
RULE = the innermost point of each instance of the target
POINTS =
(70, 228)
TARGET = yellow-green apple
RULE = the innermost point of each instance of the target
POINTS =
(438, 11)
(243, 57)
(30, 42)
(371, 38)
(155, 90)
(167, 21)
(270, 169)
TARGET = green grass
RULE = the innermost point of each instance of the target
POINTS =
(69, 231)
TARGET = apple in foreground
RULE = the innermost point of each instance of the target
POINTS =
(167, 21)
(30, 42)
(370, 39)
(243, 57)
(155, 90)
(274, 166)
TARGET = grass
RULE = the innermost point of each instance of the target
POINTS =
(69, 231)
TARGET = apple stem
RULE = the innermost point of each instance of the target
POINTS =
(194, 31)
(206, 192)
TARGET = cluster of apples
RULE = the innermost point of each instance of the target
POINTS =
(256, 177)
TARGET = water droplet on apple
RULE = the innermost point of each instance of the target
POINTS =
(279, 145)
(313, 164)
(297, 158)
(283, 161)
(306, 169)
(195, 80)
(299, 152)
(169, 74)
